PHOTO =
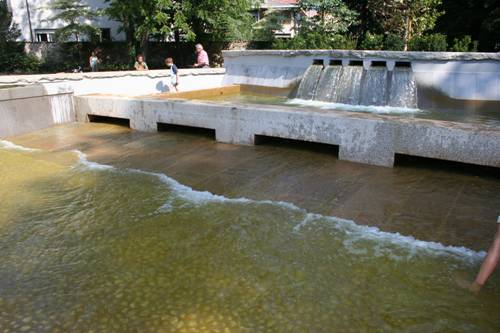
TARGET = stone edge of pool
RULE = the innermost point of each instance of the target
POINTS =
(362, 138)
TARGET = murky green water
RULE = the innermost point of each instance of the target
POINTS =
(86, 247)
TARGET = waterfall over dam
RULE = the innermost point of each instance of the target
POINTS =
(358, 86)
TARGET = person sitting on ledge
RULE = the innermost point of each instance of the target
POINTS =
(201, 57)
(140, 64)
(489, 265)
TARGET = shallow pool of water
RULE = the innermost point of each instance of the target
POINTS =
(488, 115)
(91, 247)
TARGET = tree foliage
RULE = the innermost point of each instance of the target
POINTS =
(12, 55)
(327, 16)
(186, 20)
(8, 31)
(77, 20)
(406, 18)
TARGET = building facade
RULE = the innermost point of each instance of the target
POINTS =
(289, 13)
(34, 20)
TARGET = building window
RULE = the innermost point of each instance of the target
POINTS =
(256, 15)
(46, 36)
(105, 34)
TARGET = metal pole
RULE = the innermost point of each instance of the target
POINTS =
(29, 20)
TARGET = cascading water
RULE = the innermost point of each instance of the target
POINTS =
(403, 91)
(356, 86)
(309, 84)
(327, 87)
(349, 85)
(374, 86)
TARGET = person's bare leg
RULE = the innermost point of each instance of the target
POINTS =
(490, 263)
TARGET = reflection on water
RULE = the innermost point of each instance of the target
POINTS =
(88, 247)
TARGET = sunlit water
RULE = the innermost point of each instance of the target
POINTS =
(486, 116)
(88, 247)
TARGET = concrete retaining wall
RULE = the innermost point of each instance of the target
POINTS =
(130, 83)
(27, 109)
(362, 138)
(464, 76)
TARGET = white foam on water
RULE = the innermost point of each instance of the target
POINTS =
(355, 108)
(366, 233)
(83, 161)
(12, 146)
(355, 231)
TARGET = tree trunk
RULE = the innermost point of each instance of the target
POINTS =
(145, 46)
(407, 32)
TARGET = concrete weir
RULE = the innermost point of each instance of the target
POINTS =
(363, 138)
(442, 80)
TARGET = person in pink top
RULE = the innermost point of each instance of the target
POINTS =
(201, 57)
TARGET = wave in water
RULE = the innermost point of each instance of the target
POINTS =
(355, 232)
(356, 108)
(12, 146)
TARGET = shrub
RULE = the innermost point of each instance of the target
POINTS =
(315, 41)
(431, 42)
(14, 60)
(372, 42)
(393, 42)
(463, 44)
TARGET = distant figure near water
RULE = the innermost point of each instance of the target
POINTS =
(140, 64)
(94, 61)
(201, 57)
(489, 265)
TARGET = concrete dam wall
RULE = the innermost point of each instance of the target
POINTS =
(460, 76)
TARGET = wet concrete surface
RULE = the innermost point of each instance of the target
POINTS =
(433, 201)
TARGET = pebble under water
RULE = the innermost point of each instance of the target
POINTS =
(91, 248)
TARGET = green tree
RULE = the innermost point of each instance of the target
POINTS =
(479, 19)
(12, 55)
(332, 16)
(186, 20)
(75, 16)
(8, 31)
(407, 18)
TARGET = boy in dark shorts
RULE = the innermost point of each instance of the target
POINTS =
(174, 73)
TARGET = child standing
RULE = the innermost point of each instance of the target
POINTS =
(174, 72)
(94, 61)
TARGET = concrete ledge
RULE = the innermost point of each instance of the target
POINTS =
(130, 83)
(44, 78)
(360, 54)
(364, 138)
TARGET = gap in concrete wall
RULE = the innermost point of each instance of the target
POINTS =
(109, 120)
(356, 63)
(323, 148)
(403, 64)
(198, 131)
(335, 62)
(379, 64)
(318, 62)
(437, 165)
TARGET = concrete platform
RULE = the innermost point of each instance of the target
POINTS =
(363, 138)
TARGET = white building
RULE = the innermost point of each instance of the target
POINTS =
(34, 19)
(290, 13)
